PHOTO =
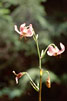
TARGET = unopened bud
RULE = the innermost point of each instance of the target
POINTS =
(48, 83)
(42, 52)
(36, 36)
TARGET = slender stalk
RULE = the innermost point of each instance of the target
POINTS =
(38, 50)
(40, 88)
(40, 85)
(38, 53)
(32, 82)
(40, 72)
(40, 68)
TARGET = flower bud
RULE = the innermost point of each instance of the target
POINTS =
(36, 36)
(42, 52)
(48, 83)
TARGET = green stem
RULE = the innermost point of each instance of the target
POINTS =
(32, 82)
(40, 88)
(40, 79)
(38, 49)
(40, 70)
(40, 63)
(36, 41)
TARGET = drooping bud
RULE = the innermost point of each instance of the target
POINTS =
(36, 36)
(48, 83)
(42, 52)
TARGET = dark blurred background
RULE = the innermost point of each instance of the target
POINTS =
(49, 19)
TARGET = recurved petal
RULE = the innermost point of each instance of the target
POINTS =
(16, 29)
(62, 47)
(16, 80)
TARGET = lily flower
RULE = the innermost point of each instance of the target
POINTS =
(54, 51)
(25, 31)
(19, 75)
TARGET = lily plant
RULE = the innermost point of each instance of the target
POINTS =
(51, 50)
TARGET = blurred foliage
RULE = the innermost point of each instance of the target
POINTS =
(51, 29)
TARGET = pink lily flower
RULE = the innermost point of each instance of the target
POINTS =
(19, 75)
(25, 31)
(54, 51)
